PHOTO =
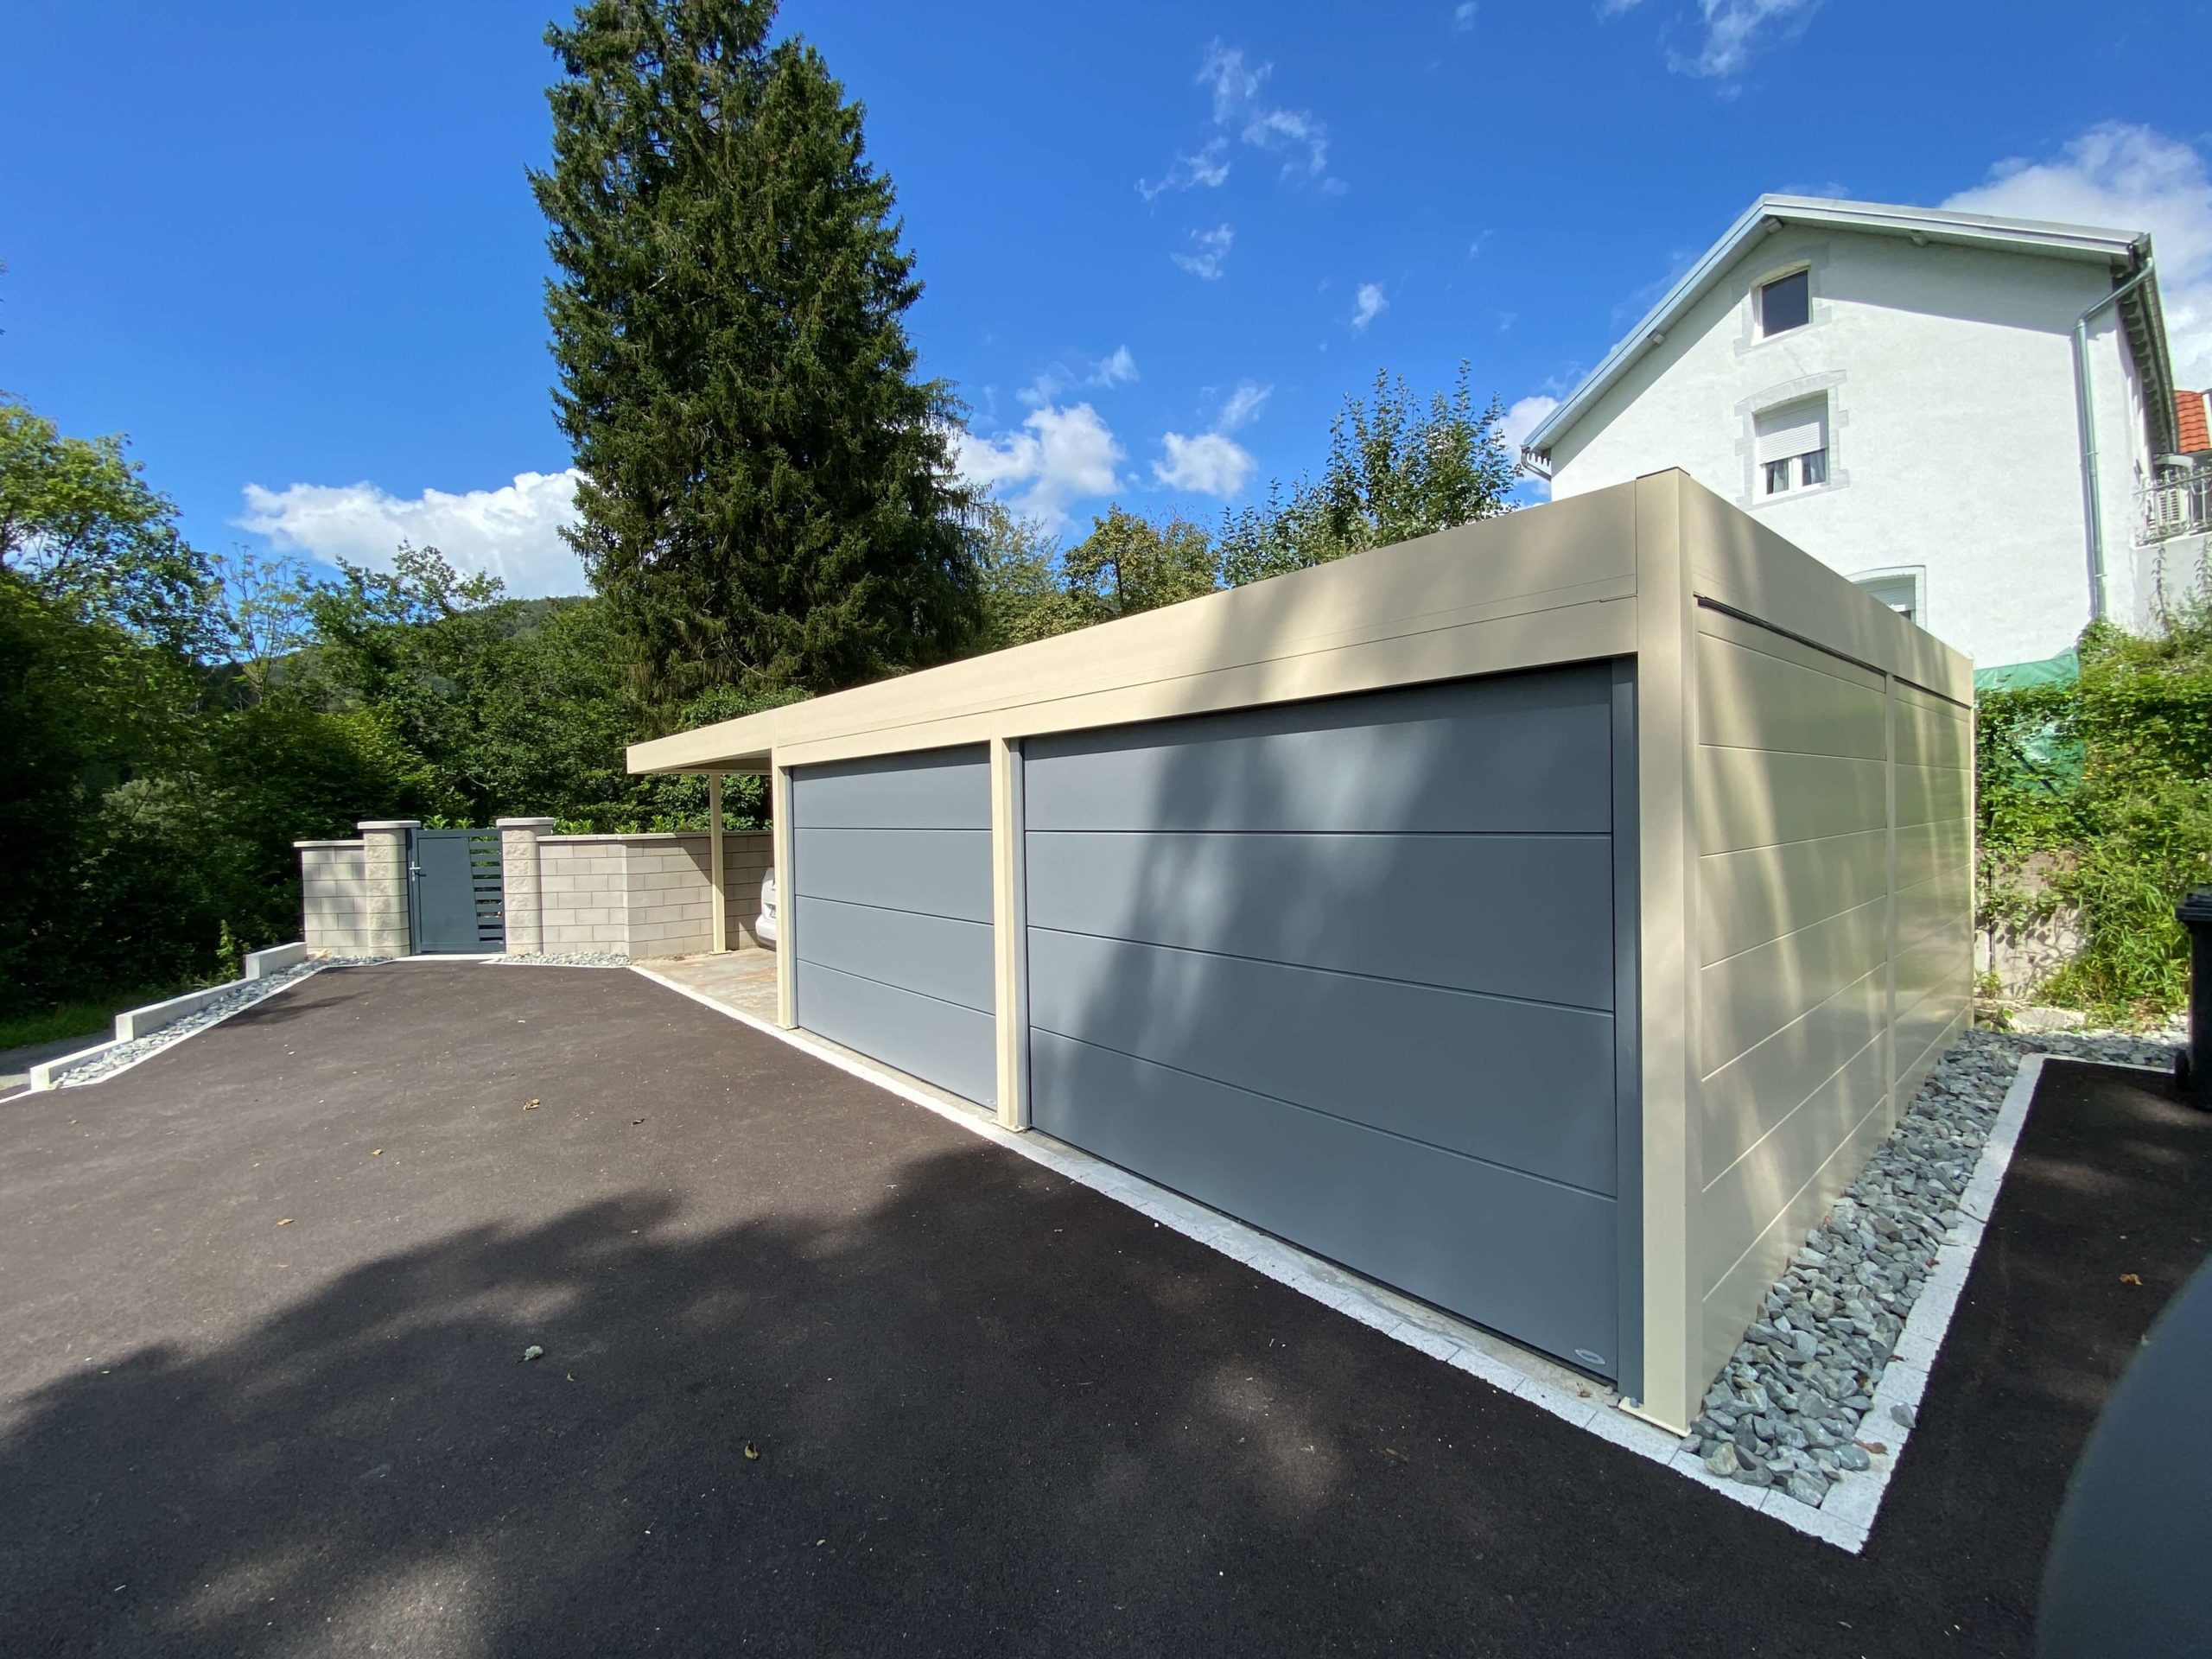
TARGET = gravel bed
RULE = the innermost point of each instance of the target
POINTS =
(243, 994)
(563, 959)
(1788, 1409)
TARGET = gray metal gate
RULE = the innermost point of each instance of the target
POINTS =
(889, 904)
(1347, 969)
(456, 899)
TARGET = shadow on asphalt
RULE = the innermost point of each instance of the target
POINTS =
(995, 1411)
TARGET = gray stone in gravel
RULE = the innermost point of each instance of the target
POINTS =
(1756, 1474)
(1847, 1290)
(1808, 1488)
(1722, 1461)
(1905, 1417)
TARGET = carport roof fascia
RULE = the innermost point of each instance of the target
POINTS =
(1543, 586)
(1547, 558)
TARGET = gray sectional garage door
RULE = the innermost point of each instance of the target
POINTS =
(890, 912)
(1346, 969)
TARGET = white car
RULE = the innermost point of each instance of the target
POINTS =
(763, 924)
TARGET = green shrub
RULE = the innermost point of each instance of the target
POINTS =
(2097, 797)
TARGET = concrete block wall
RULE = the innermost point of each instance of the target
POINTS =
(642, 895)
(334, 897)
(636, 895)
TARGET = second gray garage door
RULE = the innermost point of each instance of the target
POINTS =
(889, 906)
(1346, 969)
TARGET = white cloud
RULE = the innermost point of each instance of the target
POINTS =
(1369, 304)
(2129, 178)
(1209, 250)
(1732, 32)
(1518, 421)
(1463, 17)
(1243, 406)
(1205, 170)
(512, 532)
(1235, 85)
(1212, 463)
(1116, 368)
(1062, 456)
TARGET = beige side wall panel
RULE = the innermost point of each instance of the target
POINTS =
(1748, 997)
(1933, 906)
(1936, 847)
(1729, 1307)
(1742, 563)
(1752, 896)
(1926, 738)
(1754, 700)
(1753, 797)
(1741, 1203)
(1741, 1102)
(1933, 794)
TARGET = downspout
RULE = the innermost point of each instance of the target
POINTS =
(2093, 500)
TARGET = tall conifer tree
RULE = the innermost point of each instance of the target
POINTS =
(768, 498)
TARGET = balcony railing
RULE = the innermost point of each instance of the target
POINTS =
(2180, 506)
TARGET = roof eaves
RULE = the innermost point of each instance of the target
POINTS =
(1771, 212)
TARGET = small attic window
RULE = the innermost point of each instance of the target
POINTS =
(1785, 304)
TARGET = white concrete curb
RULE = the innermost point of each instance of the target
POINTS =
(260, 964)
(131, 1025)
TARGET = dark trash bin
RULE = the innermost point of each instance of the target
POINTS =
(2193, 1070)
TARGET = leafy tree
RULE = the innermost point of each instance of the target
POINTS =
(1395, 470)
(258, 613)
(1129, 564)
(79, 525)
(1017, 566)
(768, 496)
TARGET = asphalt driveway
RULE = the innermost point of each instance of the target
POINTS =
(264, 1302)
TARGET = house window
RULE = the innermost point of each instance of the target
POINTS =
(1793, 446)
(1900, 592)
(1786, 304)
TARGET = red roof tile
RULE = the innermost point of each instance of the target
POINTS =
(2196, 422)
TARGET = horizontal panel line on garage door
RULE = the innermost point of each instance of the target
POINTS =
(847, 973)
(1354, 835)
(869, 904)
(1333, 1117)
(1304, 967)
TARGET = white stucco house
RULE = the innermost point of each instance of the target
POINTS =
(1970, 415)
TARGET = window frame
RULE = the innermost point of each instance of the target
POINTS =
(1868, 581)
(1760, 331)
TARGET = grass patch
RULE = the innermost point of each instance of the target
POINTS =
(87, 1017)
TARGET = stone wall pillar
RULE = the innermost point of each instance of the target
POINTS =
(518, 873)
(384, 930)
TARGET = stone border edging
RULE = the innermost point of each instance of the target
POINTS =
(270, 979)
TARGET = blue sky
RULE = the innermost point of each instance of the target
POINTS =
(291, 252)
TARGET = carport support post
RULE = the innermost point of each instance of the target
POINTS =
(714, 860)
(1009, 934)
(1665, 728)
(384, 928)
(779, 808)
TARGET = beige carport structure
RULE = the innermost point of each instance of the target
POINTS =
(1790, 836)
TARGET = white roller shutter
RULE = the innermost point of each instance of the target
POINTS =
(1792, 431)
